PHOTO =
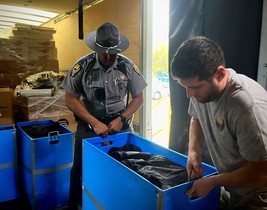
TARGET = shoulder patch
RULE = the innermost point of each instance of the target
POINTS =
(76, 68)
(136, 69)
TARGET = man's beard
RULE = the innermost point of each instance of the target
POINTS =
(210, 97)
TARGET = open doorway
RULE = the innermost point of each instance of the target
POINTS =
(160, 75)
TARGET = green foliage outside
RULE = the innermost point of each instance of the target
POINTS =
(160, 59)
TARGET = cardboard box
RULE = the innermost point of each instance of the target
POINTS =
(14, 42)
(27, 68)
(10, 52)
(108, 184)
(26, 42)
(45, 163)
(27, 33)
(42, 53)
(28, 53)
(8, 164)
(6, 106)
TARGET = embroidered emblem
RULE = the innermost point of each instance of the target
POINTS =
(136, 69)
(75, 69)
(220, 124)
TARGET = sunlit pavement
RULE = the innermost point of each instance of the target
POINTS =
(161, 121)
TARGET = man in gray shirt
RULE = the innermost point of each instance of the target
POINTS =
(98, 89)
(229, 111)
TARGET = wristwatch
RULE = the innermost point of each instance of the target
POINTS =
(123, 119)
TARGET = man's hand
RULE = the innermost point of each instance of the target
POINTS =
(200, 188)
(194, 166)
(115, 126)
(101, 129)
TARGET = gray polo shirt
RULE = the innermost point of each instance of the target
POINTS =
(235, 125)
(106, 88)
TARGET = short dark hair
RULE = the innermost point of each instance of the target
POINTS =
(197, 57)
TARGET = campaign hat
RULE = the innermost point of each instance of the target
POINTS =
(107, 39)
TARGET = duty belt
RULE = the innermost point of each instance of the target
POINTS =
(106, 119)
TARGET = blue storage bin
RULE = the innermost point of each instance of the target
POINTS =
(108, 184)
(8, 164)
(45, 164)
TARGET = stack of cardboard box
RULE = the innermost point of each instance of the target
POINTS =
(26, 50)
(6, 106)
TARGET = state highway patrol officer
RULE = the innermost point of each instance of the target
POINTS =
(98, 89)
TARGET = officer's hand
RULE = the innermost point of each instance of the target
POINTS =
(101, 129)
(115, 126)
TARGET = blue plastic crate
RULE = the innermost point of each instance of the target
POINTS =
(45, 164)
(108, 184)
(8, 164)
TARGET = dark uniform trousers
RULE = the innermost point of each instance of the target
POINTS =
(75, 193)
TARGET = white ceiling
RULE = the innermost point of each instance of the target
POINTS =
(10, 16)
(58, 6)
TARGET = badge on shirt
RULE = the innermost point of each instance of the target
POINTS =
(76, 68)
(136, 69)
(220, 124)
(123, 77)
